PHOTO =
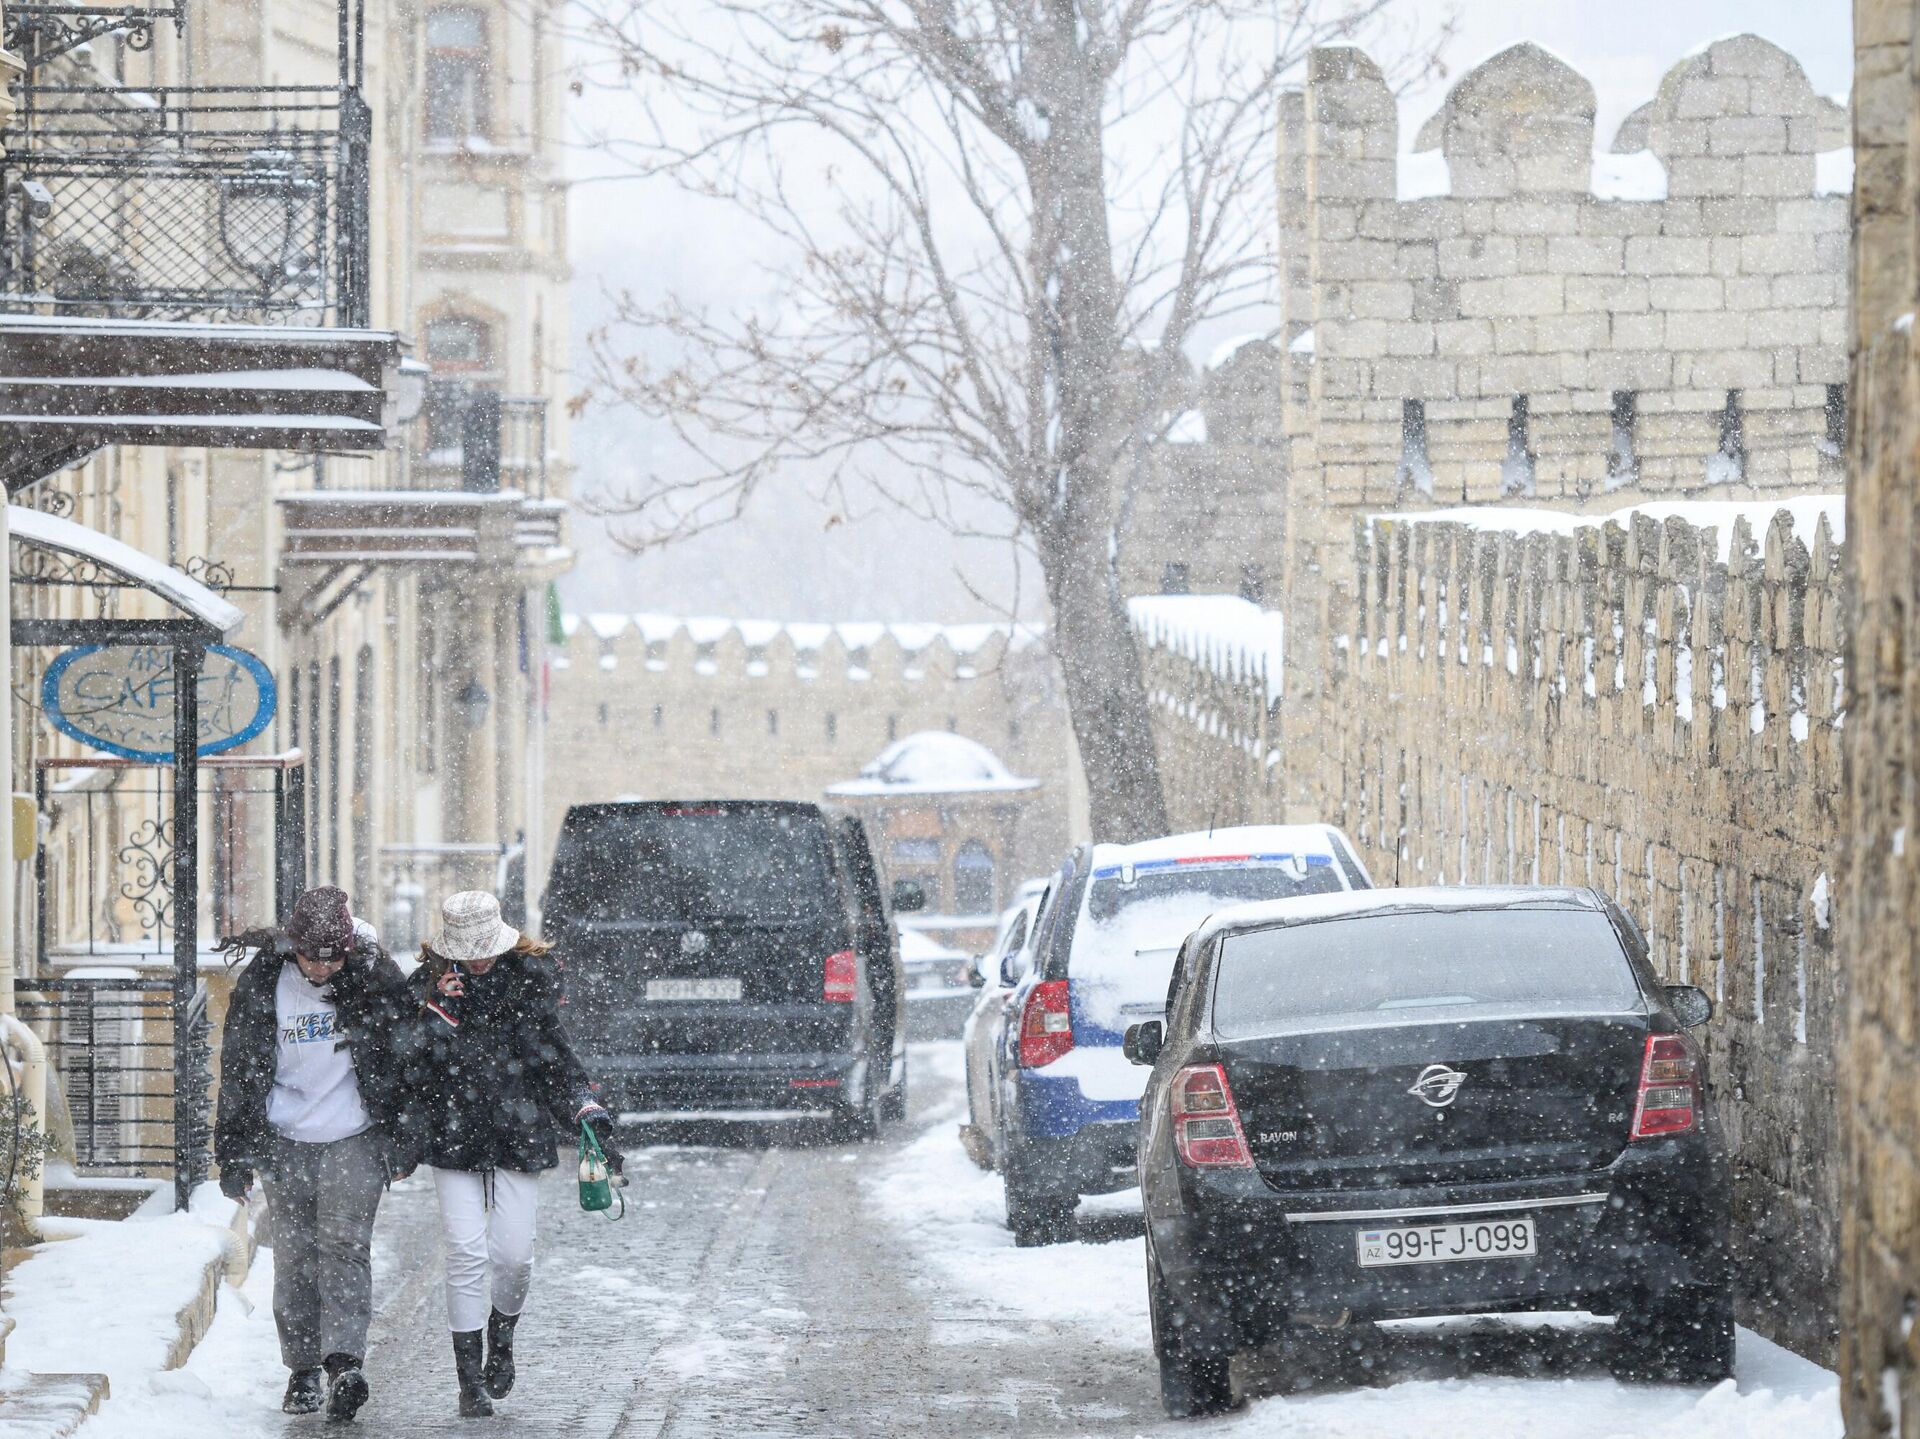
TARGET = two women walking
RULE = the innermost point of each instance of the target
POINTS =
(339, 1075)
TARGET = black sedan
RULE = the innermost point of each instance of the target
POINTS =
(1392, 1103)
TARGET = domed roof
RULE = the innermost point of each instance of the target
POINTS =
(934, 762)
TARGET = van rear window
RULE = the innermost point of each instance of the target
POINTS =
(693, 863)
(1414, 964)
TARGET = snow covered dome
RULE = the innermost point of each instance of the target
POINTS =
(934, 762)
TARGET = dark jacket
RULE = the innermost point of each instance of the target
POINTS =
(376, 1011)
(492, 1078)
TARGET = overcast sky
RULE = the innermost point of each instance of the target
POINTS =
(794, 556)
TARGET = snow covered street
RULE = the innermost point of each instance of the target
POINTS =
(761, 1288)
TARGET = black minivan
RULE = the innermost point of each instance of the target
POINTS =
(733, 956)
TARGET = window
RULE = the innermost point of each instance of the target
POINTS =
(459, 343)
(773, 722)
(833, 727)
(1173, 578)
(713, 721)
(603, 714)
(973, 879)
(1253, 583)
(919, 861)
(659, 716)
(1414, 472)
(1516, 471)
(1623, 465)
(893, 728)
(456, 73)
(1835, 447)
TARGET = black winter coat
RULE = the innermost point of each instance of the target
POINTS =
(492, 1078)
(376, 1011)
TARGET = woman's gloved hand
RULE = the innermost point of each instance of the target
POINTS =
(596, 1118)
(236, 1180)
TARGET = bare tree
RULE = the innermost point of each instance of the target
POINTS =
(1009, 218)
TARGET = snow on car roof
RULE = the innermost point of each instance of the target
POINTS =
(1237, 842)
(1348, 904)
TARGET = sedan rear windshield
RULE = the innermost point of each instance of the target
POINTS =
(1418, 964)
(693, 864)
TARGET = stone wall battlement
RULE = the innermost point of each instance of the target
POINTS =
(1666, 318)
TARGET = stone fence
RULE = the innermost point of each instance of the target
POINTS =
(1650, 708)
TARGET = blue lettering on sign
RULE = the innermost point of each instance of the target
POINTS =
(120, 699)
(311, 1028)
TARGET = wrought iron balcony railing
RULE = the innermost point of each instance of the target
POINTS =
(209, 202)
(473, 439)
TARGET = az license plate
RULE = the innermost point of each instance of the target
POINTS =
(684, 989)
(1445, 1243)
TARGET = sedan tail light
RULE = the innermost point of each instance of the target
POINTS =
(1206, 1122)
(1046, 1025)
(1670, 1095)
(842, 977)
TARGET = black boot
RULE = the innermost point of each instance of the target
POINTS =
(498, 1373)
(474, 1403)
(306, 1391)
(346, 1387)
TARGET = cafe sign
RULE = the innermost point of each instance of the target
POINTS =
(120, 699)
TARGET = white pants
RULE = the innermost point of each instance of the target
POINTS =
(487, 1221)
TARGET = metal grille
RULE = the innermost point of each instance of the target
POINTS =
(213, 202)
(110, 1040)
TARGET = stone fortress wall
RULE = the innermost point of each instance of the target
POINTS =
(659, 707)
(1507, 321)
(1877, 916)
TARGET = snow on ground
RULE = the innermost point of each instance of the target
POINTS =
(229, 1387)
(150, 1265)
(1440, 1379)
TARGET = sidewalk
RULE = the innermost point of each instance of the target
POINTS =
(119, 1305)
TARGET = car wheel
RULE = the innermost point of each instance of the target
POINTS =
(893, 1106)
(1681, 1337)
(1038, 1217)
(862, 1123)
(1195, 1359)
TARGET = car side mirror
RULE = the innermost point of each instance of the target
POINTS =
(1011, 970)
(1690, 1005)
(1144, 1041)
(908, 896)
(977, 972)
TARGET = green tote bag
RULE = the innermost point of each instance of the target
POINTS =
(596, 1184)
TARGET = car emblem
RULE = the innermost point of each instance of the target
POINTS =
(1437, 1085)
(693, 942)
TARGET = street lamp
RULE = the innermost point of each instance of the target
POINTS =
(261, 213)
(473, 700)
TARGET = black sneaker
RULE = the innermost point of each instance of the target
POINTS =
(306, 1391)
(346, 1387)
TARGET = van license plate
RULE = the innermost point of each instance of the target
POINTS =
(1445, 1243)
(682, 989)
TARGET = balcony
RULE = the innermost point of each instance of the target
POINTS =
(189, 262)
(476, 495)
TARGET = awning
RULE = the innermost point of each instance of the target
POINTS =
(70, 386)
(52, 532)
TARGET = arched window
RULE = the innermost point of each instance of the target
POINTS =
(456, 75)
(973, 879)
(459, 343)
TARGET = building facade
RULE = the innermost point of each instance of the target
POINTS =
(396, 595)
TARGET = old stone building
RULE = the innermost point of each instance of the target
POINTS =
(659, 707)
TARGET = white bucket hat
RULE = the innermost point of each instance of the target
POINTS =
(471, 928)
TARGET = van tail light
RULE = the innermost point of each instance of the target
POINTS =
(1206, 1122)
(1670, 1094)
(841, 978)
(1046, 1026)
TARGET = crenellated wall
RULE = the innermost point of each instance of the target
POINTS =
(1652, 708)
(662, 706)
